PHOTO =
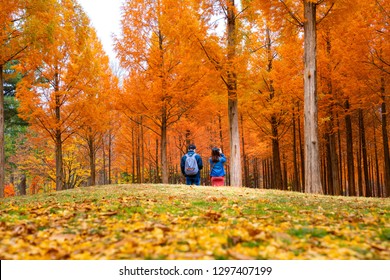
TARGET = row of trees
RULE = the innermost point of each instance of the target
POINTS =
(314, 140)
(63, 88)
(294, 92)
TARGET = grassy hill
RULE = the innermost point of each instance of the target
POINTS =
(182, 222)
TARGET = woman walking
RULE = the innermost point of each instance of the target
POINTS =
(217, 169)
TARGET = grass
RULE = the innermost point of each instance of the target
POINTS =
(182, 222)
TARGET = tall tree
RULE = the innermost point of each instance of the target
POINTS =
(231, 83)
(50, 89)
(312, 156)
(21, 24)
(224, 56)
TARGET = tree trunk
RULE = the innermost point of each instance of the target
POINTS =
(377, 176)
(109, 156)
(142, 152)
(2, 144)
(164, 163)
(256, 173)
(265, 173)
(328, 167)
(324, 173)
(138, 157)
(246, 167)
(367, 180)
(296, 184)
(58, 137)
(23, 186)
(157, 177)
(334, 165)
(277, 169)
(92, 164)
(350, 160)
(220, 131)
(285, 174)
(164, 120)
(59, 164)
(332, 161)
(359, 170)
(104, 160)
(132, 156)
(312, 157)
(385, 141)
(235, 153)
(301, 152)
(341, 176)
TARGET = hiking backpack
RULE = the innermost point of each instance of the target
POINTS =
(191, 165)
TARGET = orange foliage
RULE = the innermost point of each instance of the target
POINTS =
(9, 190)
(35, 186)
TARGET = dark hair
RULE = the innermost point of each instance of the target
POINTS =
(191, 147)
(215, 154)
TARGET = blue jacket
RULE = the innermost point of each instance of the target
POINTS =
(183, 162)
(217, 168)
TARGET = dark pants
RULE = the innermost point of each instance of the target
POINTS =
(193, 180)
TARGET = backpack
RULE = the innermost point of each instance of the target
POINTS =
(191, 165)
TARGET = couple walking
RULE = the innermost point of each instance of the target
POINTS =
(191, 164)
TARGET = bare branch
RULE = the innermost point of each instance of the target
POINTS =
(242, 11)
(292, 14)
(213, 61)
(327, 12)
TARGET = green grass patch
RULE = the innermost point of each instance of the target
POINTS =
(307, 232)
(385, 234)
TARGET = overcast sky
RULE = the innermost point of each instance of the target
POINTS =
(105, 17)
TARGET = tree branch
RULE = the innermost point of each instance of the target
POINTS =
(327, 12)
(299, 22)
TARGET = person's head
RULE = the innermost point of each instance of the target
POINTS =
(215, 154)
(191, 147)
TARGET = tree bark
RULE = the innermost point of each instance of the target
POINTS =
(92, 164)
(109, 156)
(296, 183)
(235, 154)
(385, 141)
(359, 169)
(23, 185)
(164, 163)
(220, 131)
(377, 176)
(132, 156)
(104, 160)
(312, 157)
(244, 156)
(301, 152)
(2, 144)
(341, 174)
(277, 174)
(333, 166)
(142, 152)
(58, 137)
(157, 177)
(350, 160)
(277, 169)
(367, 180)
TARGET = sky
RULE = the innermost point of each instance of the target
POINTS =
(105, 17)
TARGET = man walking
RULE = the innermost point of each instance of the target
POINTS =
(191, 164)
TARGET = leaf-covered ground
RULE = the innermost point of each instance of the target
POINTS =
(182, 222)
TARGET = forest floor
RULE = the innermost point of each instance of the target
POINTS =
(179, 222)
